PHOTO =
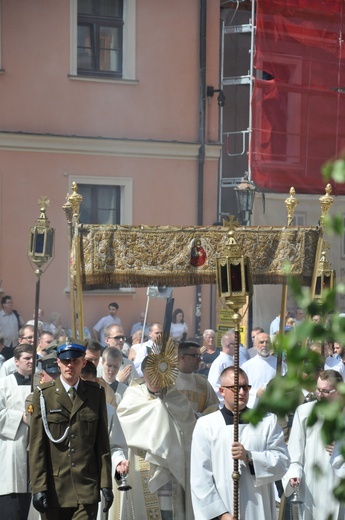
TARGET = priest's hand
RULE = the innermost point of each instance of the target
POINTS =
(238, 451)
(123, 467)
(40, 501)
(295, 481)
(108, 498)
(226, 516)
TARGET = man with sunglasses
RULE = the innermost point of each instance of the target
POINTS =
(114, 337)
(311, 466)
(70, 460)
(261, 451)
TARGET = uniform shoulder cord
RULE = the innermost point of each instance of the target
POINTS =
(45, 422)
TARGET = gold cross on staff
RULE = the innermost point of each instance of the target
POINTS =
(43, 202)
(230, 222)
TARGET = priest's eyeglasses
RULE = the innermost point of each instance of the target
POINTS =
(245, 388)
(325, 392)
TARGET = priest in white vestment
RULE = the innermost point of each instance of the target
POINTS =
(158, 429)
(261, 451)
(311, 460)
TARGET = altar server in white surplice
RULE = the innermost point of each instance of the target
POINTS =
(261, 451)
(311, 461)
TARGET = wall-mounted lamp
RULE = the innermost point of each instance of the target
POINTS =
(245, 193)
(221, 98)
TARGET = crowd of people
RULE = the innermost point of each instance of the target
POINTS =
(108, 413)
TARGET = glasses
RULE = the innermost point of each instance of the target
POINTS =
(28, 337)
(194, 355)
(118, 338)
(245, 388)
(325, 392)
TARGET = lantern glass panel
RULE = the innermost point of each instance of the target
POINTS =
(224, 279)
(236, 278)
(39, 243)
(49, 242)
(246, 277)
(318, 286)
(326, 282)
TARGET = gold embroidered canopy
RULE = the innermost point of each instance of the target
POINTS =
(139, 256)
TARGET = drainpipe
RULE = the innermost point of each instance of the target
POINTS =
(201, 155)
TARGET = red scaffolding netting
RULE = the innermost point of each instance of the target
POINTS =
(298, 103)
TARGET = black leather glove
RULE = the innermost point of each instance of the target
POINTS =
(40, 501)
(108, 497)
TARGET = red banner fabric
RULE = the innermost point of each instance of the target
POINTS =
(298, 104)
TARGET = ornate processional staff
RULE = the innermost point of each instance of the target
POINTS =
(290, 203)
(72, 212)
(235, 286)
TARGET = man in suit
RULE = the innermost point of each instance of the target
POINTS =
(70, 458)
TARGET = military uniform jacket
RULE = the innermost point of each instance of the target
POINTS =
(74, 470)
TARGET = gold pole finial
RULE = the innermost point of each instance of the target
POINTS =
(75, 200)
(68, 209)
(326, 202)
(291, 203)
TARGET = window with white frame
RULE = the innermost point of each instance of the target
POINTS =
(100, 205)
(106, 200)
(103, 39)
(100, 28)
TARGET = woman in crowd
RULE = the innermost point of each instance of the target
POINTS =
(209, 351)
(178, 329)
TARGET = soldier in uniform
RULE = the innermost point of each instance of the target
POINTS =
(70, 459)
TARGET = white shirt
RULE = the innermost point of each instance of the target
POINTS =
(217, 367)
(9, 328)
(103, 323)
(332, 363)
(141, 355)
(260, 370)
